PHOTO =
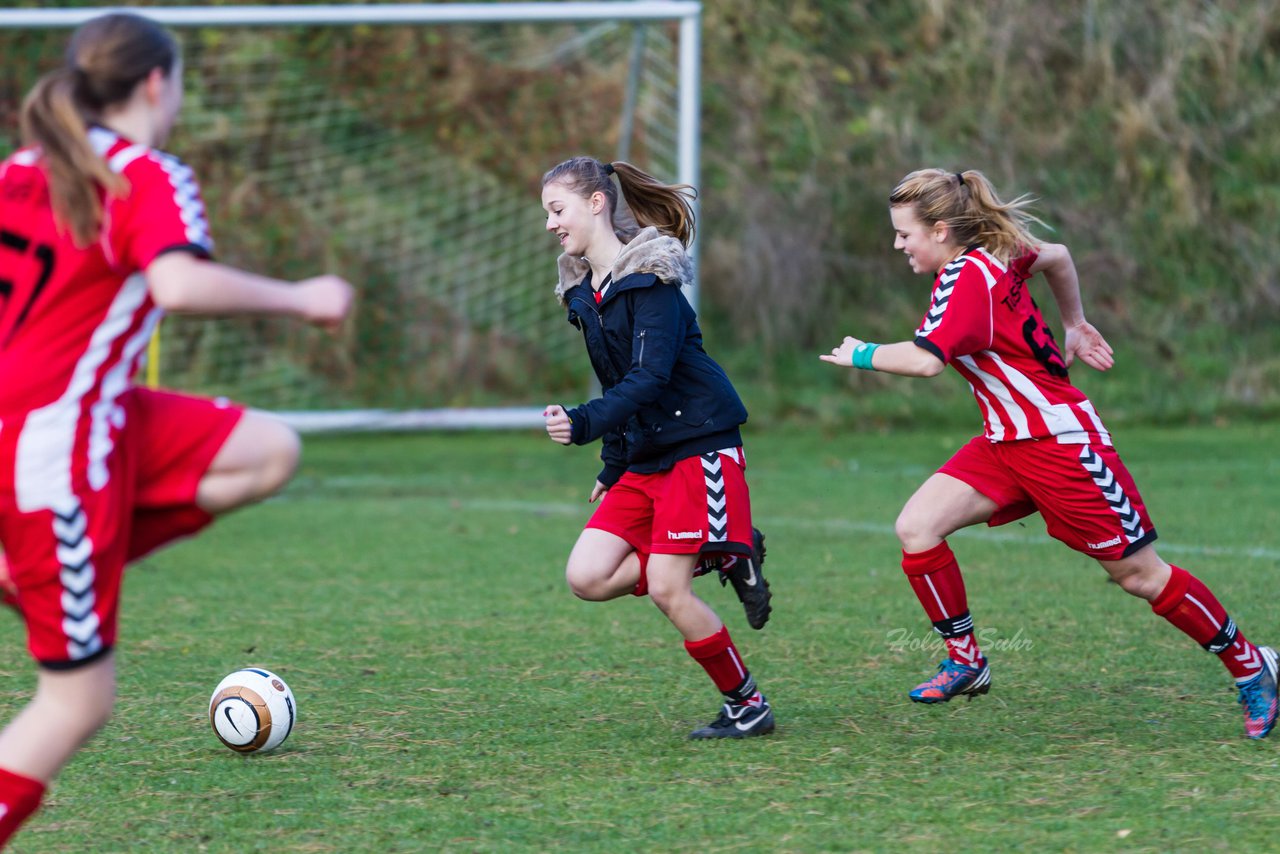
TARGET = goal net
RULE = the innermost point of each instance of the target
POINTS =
(401, 146)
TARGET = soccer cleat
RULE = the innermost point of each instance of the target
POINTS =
(747, 576)
(1258, 696)
(954, 679)
(739, 720)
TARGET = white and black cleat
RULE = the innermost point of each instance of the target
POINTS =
(739, 720)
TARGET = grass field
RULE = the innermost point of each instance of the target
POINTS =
(454, 696)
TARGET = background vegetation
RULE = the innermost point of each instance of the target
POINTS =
(1148, 129)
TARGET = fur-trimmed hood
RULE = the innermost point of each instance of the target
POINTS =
(650, 251)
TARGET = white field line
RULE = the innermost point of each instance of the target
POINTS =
(831, 525)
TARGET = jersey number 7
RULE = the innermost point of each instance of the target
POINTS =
(43, 254)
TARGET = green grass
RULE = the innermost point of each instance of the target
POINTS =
(454, 696)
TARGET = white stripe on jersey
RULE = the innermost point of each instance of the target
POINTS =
(106, 412)
(993, 261)
(995, 427)
(1086, 406)
(42, 465)
(946, 285)
(1000, 392)
(102, 139)
(941, 298)
(1058, 417)
(187, 194)
(122, 158)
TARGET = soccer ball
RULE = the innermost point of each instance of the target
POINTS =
(252, 710)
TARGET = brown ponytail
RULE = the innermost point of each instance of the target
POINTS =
(52, 121)
(105, 60)
(667, 207)
(968, 204)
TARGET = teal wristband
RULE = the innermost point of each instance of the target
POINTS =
(862, 356)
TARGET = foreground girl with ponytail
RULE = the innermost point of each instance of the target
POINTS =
(99, 234)
(1044, 446)
(675, 494)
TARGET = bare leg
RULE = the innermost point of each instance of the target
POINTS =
(257, 459)
(1143, 573)
(940, 507)
(602, 566)
(671, 589)
(68, 708)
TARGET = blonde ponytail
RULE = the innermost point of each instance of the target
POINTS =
(967, 202)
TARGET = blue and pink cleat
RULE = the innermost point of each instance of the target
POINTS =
(1258, 697)
(955, 679)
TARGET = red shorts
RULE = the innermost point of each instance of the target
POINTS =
(1084, 492)
(67, 559)
(698, 506)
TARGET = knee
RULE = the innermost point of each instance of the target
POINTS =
(666, 595)
(1143, 582)
(584, 581)
(282, 449)
(913, 533)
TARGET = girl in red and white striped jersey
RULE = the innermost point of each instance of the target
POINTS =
(99, 234)
(1044, 448)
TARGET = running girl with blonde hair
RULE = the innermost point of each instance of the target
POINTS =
(675, 498)
(1044, 448)
(100, 233)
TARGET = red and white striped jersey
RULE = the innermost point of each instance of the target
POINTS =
(983, 322)
(75, 321)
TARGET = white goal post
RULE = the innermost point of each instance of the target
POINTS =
(315, 157)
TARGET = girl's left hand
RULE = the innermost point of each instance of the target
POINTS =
(843, 355)
(1086, 342)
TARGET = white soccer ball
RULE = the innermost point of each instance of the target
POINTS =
(252, 710)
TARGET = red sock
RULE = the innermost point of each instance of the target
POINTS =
(19, 798)
(935, 578)
(1189, 605)
(642, 586)
(719, 657)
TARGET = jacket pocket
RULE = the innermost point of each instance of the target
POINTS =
(683, 410)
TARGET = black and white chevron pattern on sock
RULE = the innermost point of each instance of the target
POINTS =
(1113, 492)
(717, 506)
(75, 552)
(941, 296)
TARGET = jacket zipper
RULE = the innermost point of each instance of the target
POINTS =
(599, 325)
(641, 361)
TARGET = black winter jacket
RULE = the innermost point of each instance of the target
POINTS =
(664, 398)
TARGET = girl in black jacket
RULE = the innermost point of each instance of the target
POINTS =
(675, 496)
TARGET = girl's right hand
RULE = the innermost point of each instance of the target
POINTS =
(842, 355)
(559, 425)
(325, 301)
(599, 490)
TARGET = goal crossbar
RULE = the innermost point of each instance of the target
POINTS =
(408, 13)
